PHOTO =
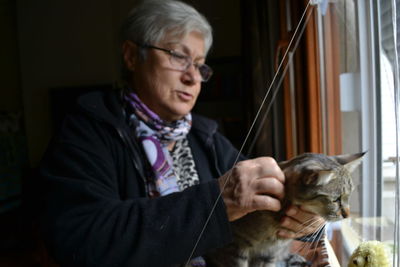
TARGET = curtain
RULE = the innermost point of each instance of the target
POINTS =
(260, 31)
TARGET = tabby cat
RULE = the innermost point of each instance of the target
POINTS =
(320, 183)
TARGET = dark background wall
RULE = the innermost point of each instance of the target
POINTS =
(72, 44)
(51, 46)
(75, 43)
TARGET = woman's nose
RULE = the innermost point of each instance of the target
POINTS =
(191, 75)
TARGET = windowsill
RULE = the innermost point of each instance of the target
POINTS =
(333, 261)
(351, 239)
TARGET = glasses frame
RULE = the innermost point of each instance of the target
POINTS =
(189, 61)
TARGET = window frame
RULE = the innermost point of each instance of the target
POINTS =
(320, 129)
(370, 107)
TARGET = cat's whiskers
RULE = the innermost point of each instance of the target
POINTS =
(315, 243)
(307, 223)
(310, 223)
(317, 231)
(314, 246)
(308, 245)
(304, 248)
(305, 244)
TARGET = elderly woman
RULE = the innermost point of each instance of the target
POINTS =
(133, 176)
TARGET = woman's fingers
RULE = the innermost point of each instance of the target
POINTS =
(268, 167)
(265, 202)
(269, 186)
(299, 222)
(252, 185)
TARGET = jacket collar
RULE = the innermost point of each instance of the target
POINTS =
(107, 105)
(204, 128)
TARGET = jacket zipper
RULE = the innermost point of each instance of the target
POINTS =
(128, 142)
(214, 153)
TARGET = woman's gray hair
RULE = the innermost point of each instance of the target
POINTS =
(151, 20)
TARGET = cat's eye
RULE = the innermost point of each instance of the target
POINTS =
(338, 199)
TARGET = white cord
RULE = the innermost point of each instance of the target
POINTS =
(249, 132)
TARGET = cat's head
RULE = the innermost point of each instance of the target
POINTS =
(321, 183)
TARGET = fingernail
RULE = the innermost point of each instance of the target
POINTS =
(292, 211)
(285, 222)
(282, 233)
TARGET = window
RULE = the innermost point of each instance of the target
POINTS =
(387, 60)
(344, 103)
(367, 63)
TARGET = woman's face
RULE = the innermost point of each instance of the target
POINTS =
(169, 92)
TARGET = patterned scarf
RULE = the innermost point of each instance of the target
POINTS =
(155, 134)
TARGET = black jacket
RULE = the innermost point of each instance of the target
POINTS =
(97, 212)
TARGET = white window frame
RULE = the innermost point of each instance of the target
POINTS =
(370, 108)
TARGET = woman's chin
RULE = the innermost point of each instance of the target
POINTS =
(175, 116)
(181, 110)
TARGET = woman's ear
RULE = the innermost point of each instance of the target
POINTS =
(129, 54)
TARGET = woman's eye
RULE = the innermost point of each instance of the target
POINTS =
(179, 56)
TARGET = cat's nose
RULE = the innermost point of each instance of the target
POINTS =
(345, 212)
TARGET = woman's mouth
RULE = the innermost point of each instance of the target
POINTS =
(185, 96)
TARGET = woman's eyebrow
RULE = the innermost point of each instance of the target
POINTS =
(175, 43)
(185, 49)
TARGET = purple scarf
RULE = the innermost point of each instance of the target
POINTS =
(155, 134)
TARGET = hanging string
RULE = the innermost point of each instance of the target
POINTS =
(396, 248)
(250, 130)
(278, 86)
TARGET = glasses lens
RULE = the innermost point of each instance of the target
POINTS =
(205, 72)
(183, 62)
(179, 61)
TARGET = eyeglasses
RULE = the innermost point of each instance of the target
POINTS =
(183, 62)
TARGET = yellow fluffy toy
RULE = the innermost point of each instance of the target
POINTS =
(370, 254)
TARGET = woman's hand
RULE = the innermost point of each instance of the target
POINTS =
(298, 223)
(255, 184)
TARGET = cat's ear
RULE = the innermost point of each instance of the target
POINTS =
(324, 177)
(350, 161)
(321, 177)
